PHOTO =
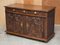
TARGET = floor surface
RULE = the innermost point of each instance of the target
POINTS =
(6, 39)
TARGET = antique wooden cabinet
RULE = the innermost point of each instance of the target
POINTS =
(30, 21)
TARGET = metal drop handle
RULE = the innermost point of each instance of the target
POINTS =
(35, 12)
(24, 11)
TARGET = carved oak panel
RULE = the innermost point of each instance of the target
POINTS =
(10, 22)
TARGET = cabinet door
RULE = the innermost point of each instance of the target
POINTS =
(18, 24)
(34, 26)
(10, 22)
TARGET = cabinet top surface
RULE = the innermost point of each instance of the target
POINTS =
(31, 7)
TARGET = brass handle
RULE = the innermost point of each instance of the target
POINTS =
(24, 11)
(35, 12)
(13, 9)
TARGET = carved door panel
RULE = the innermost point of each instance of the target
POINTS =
(34, 26)
(19, 24)
(10, 21)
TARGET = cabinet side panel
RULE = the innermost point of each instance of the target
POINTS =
(51, 20)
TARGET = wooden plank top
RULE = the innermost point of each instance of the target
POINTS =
(31, 7)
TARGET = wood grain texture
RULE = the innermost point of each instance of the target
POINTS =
(28, 2)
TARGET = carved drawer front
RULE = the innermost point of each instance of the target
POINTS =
(16, 10)
(10, 9)
(26, 12)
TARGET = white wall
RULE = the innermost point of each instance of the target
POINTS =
(37, 2)
(2, 12)
(20, 1)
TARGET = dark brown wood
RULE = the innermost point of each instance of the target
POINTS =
(36, 22)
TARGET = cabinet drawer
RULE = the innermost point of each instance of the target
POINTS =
(26, 12)
(10, 9)
(15, 10)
